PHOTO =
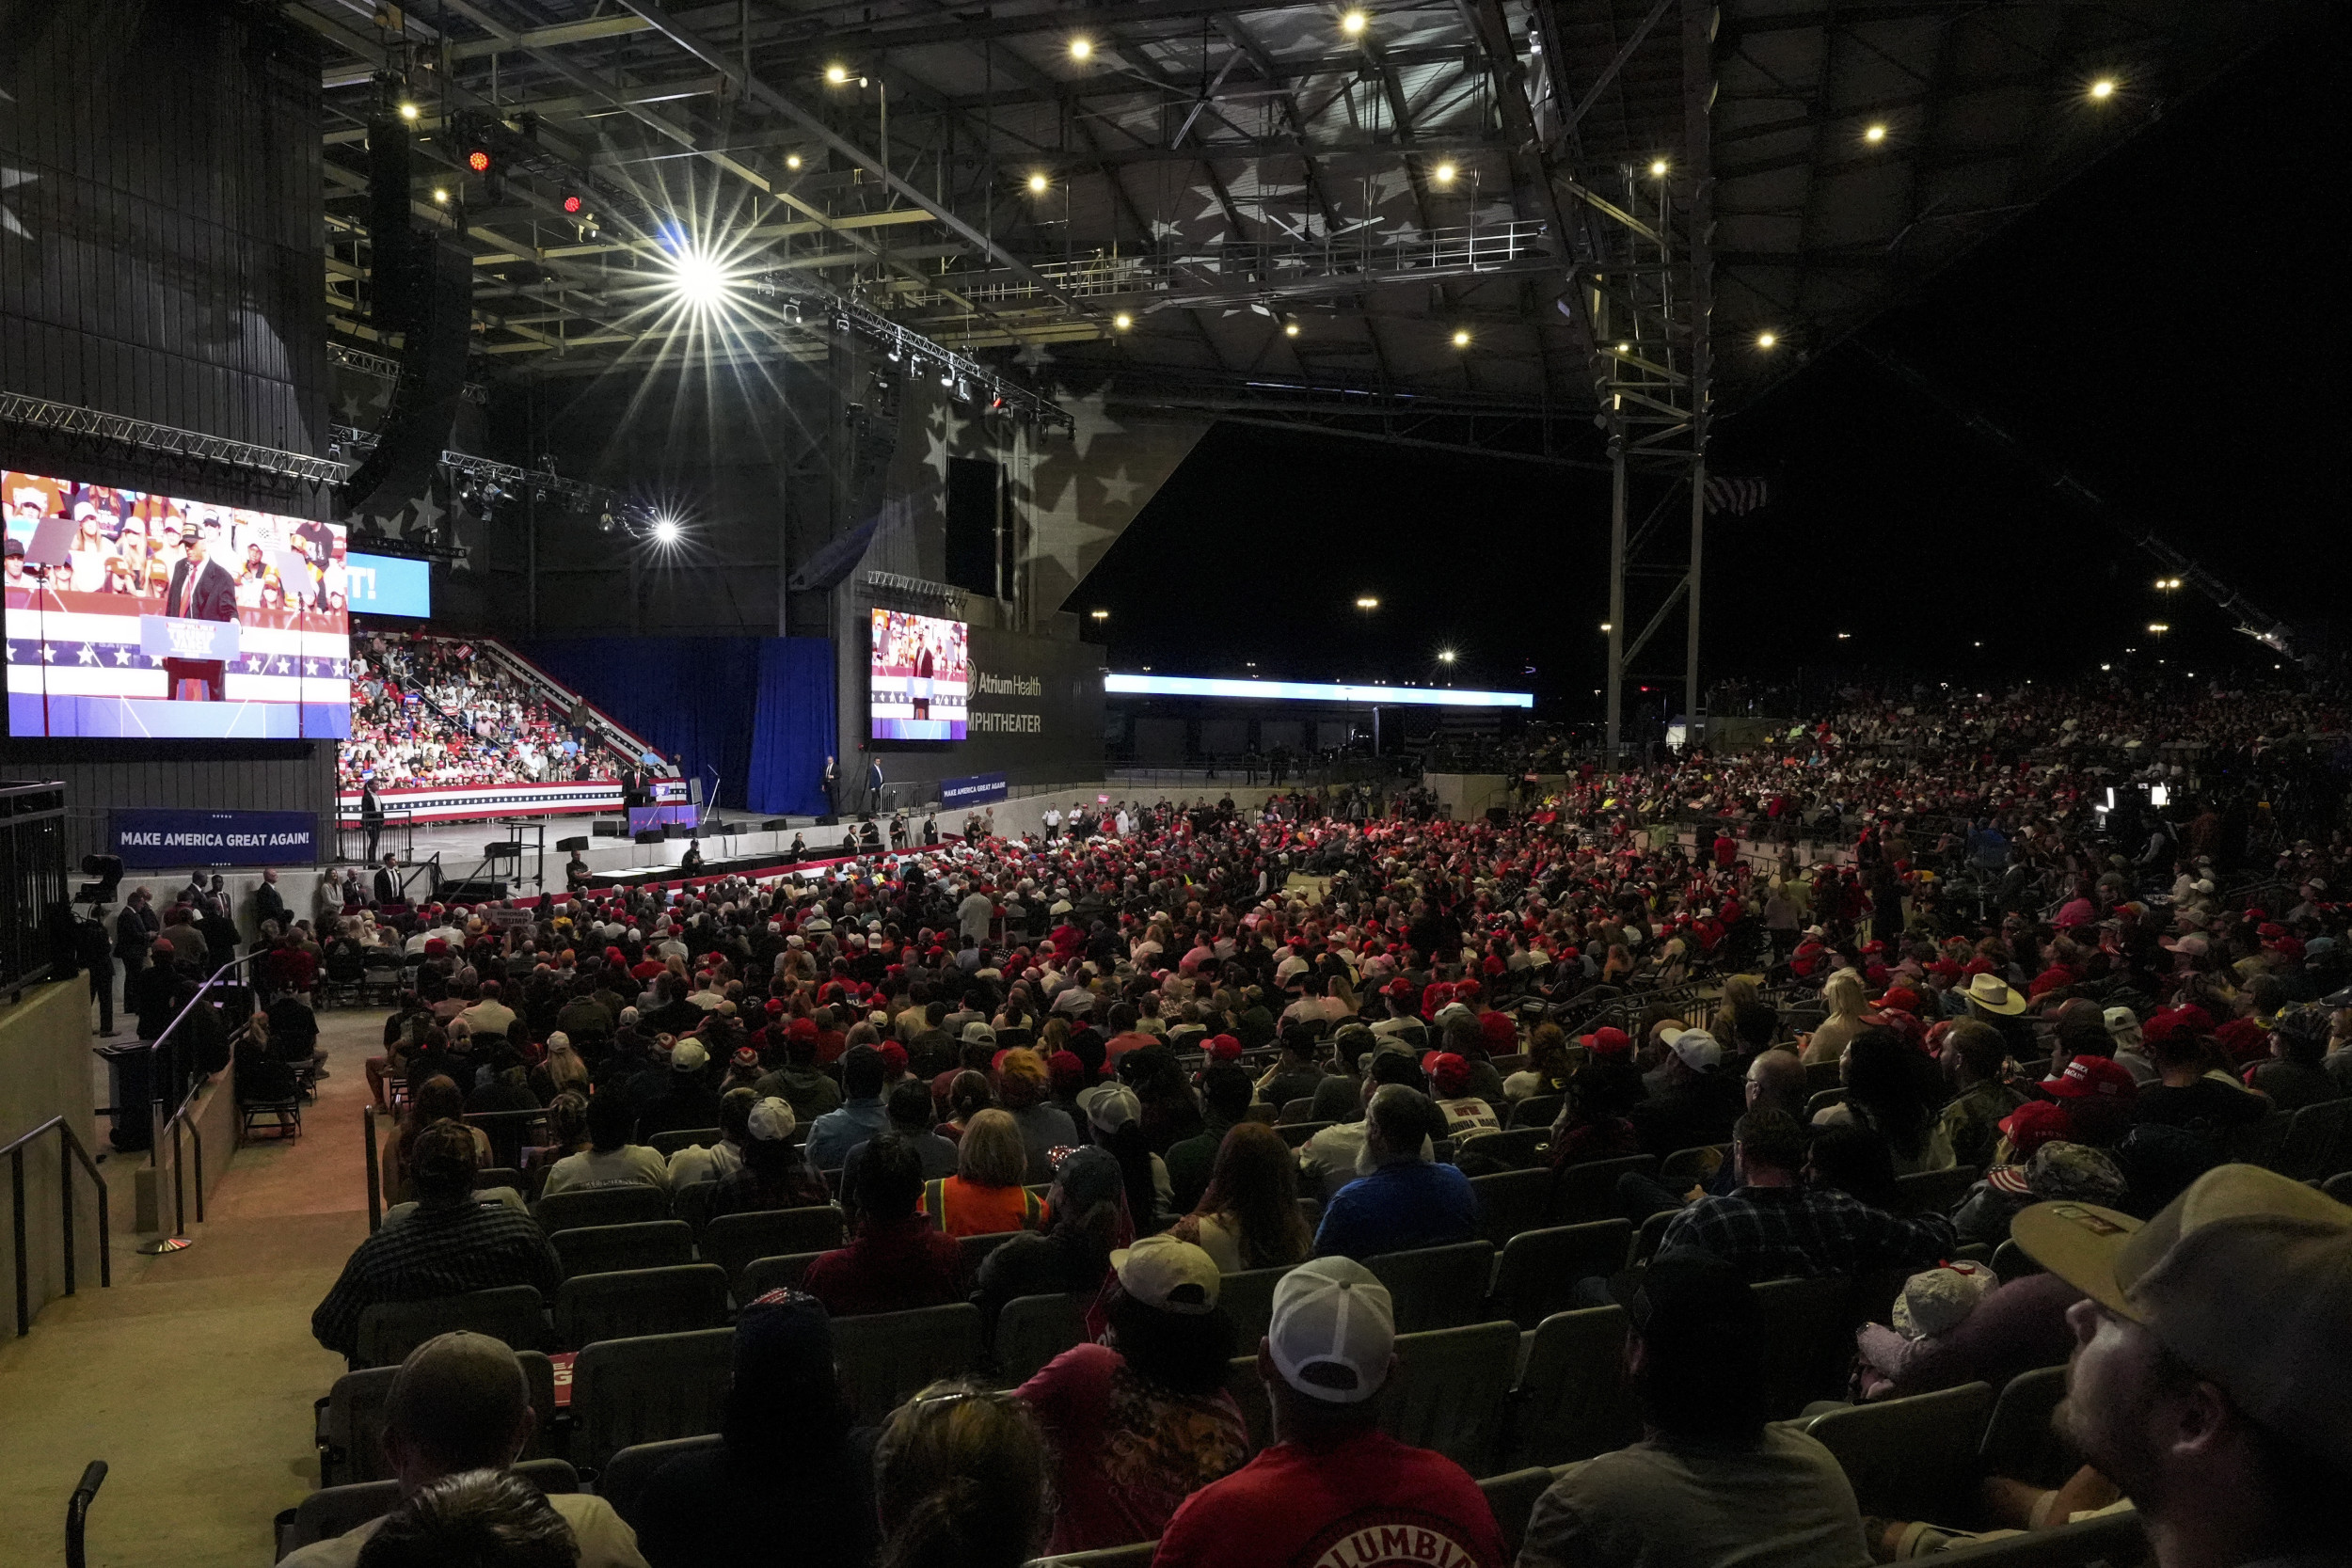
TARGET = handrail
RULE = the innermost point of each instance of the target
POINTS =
(15, 1151)
(154, 1048)
(77, 1512)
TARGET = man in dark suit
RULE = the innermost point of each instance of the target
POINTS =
(387, 882)
(201, 590)
(371, 814)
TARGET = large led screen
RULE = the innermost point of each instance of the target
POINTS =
(134, 616)
(918, 678)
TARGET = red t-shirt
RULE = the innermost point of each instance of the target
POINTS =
(1367, 1502)
(1131, 1450)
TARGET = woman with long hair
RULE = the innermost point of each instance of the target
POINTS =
(962, 1481)
(1547, 1071)
(1846, 998)
(968, 1094)
(1248, 1217)
(1888, 1090)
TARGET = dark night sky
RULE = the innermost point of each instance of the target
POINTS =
(2168, 329)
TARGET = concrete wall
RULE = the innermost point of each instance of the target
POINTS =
(45, 1073)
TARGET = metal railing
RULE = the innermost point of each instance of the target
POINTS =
(32, 878)
(65, 1141)
(179, 1121)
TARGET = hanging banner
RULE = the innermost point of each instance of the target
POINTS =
(154, 840)
(980, 789)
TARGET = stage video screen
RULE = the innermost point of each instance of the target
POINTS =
(918, 677)
(138, 616)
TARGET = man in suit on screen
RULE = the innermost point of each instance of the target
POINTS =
(200, 590)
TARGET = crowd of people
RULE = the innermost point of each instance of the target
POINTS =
(1081, 1040)
(438, 710)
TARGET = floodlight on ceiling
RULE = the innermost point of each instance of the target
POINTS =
(1081, 47)
(1352, 23)
(667, 531)
(1443, 174)
(698, 280)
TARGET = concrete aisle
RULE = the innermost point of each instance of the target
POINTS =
(194, 1376)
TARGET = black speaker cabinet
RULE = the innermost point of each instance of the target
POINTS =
(776, 824)
(653, 835)
(432, 377)
(473, 890)
(609, 829)
(566, 845)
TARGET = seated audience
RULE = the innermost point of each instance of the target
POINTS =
(861, 1114)
(716, 1162)
(895, 1258)
(1774, 1228)
(1712, 1484)
(1248, 1217)
(474, 1519)
(786, 1453)
(774, 1173)
(962, 1479)
(1404, 1199)
(449, 1246)
(1141, 1420)
(1084, 1222)
(614, 1158)
(985, 1196)
(1333, 1487)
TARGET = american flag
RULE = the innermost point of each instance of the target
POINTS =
(1738, 497)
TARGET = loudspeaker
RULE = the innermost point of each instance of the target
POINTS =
(473, 890)
(425, 398)
(829, 820)
(505, 849)
(390, 242)
(776, 824)
(653, 835)
(972, 485)
(566, 845)
(1499, 815)
(609, 829)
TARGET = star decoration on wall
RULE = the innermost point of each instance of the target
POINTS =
(10, 180)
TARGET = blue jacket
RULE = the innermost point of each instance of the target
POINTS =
(831, 1135)
(1403, 1205)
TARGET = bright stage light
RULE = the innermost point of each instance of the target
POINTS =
(1875, 134)
(666, 531)
(792, 161)
(698, 278)
(479, 160)
(1461, 338)
(407, 111)
(1289, 329)
(1352, 23)
(1122, 320)
(2103, 88)
(1037, 183)
(1443, 174)
(1445, 655)
(1657, 167)
(440, 194)
(1765, 339)
(1081, 47)
(1367, 602)
(836, 74)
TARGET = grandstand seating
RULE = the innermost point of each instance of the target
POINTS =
(438, 710)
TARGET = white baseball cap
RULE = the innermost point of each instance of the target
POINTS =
(1333, 1331)
(1112, 1106)
(1168, 1275)
(1698, 1049)
(772, 1121)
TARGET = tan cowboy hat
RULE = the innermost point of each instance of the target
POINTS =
(1994, 994)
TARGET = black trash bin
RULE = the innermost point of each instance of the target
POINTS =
(132, 1093)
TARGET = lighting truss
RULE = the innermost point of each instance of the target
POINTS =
(573, 492)
(19, 409)
(385, 369)
(907, 347)
(919, 592)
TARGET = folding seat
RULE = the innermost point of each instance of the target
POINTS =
(633, 1302)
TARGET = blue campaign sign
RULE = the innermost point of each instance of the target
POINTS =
(156, 840)
(177, 637)
(980, 789)
(388, 585)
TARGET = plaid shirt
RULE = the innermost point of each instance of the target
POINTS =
(1807, 1233)
(435, 1252)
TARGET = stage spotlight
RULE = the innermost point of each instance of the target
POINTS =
(897, 353)
(1366, 601)
(1122, 320)
(1352, 23)
(1766, 340)
(2103, 88)
(574, 205)
(1446, 656)
(1290, 326)
(792, 161)
(1461, 338)
(408, 111)
(604, 520)
(1037, 183)
(836, 74)
(1875, 134)
(1442, 174)
(440, 195)
(698, 278)
(946, 376)
(1657, 167)
(1081, 47)
(666, 531)
(478, 160)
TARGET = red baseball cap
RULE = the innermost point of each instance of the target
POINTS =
(2035, 1123)
(1449, 1074)
(1901, 998)
(1224, 1048)
(1498, 1030)
(1608, 1042)
(2092, 1075)
(894, 1054)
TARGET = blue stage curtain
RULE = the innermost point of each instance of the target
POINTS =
(695, 697)
(794, 729)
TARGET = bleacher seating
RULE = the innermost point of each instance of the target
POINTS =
(438, 710)
(631, 1303)
(611, 1248)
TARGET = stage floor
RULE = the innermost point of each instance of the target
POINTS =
(461, 845)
